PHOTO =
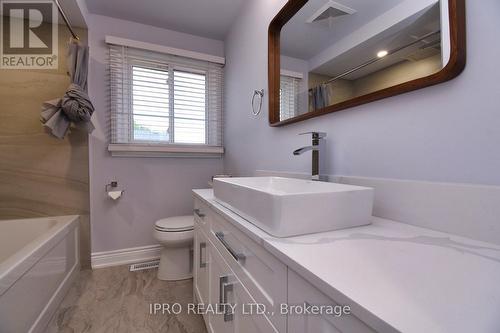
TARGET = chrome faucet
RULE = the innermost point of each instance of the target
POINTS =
(317, 148)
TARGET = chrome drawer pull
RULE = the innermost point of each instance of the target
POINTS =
(237, 256)
(191, 259)
(224, 288)
(197, 213)
(202, 247)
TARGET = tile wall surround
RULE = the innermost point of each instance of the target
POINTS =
(39, 174)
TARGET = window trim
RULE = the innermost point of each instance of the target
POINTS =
(158, 150)
(164, 49)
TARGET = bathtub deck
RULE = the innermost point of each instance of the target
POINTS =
(116, 300)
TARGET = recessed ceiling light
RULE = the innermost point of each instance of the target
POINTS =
(382, 53)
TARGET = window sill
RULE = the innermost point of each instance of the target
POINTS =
(153, 150)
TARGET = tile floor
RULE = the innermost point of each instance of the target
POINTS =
(116, 300)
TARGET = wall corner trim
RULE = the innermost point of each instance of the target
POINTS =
(164, 49)
(125, 256)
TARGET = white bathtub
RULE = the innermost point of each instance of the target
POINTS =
(38, 262)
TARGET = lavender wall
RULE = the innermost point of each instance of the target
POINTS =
(448, 132)
(154, 187)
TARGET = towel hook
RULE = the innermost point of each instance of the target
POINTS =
(259, 93)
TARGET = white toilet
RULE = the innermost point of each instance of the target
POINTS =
(175, 234)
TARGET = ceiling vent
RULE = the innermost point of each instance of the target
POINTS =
(330, 10)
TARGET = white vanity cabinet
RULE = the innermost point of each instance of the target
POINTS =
(227, 289)
(232, 268)
(201, 262)
(222, 283)
(201, 266)
(216, 282)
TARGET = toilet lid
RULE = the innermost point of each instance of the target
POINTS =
(176, 223)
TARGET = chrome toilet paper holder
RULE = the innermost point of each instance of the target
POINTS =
(112, 186)
(112, 191)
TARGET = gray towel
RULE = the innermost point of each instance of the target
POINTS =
(75, 106)
(319, 97)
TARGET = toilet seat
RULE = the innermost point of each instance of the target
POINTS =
(175, 235)
(175, 224)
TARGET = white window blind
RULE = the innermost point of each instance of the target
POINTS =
(161, 99)
(289, 97)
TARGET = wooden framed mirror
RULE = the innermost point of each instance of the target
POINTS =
(326, 56)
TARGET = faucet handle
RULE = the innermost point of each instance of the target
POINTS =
(315, 135)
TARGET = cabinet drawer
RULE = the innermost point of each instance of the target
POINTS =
(299, 292)
(227, 289)
(264, 276)
(201, 264)
(202, 214)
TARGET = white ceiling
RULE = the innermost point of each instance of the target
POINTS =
(419, 24)
(315, 37)
(206, 18)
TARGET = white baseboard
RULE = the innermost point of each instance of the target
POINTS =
(125, 256)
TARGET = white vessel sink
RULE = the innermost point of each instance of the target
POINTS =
(286, 207)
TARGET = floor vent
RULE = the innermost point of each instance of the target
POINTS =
(144, 265)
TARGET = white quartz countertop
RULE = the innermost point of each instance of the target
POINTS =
(395, 276)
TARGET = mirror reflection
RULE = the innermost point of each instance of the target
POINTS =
(332, 51)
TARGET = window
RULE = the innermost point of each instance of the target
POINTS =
(161, 100)
(289, 97)
(150, 105)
